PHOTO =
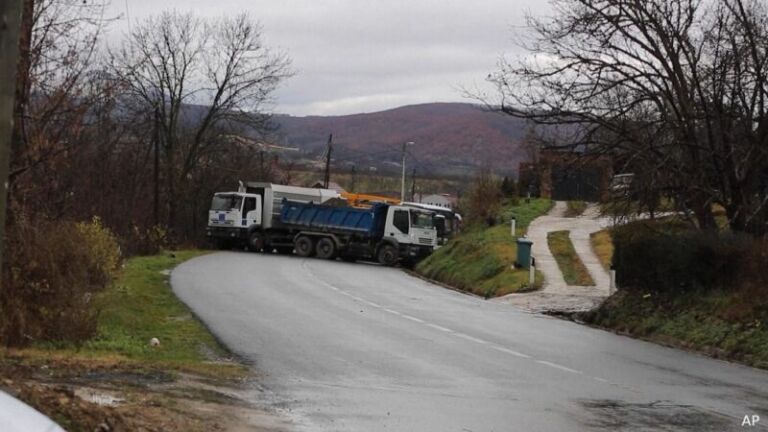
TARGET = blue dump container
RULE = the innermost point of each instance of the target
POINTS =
(524, 252)
(325, 218)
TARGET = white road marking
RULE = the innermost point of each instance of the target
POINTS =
(458, 334)
(441, 328)
(557, 366)
(509, 351)
(408, 317)
(470, 338)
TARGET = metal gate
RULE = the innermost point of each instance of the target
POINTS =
(576, 183)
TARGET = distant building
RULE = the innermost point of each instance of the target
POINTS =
(565, 176)
(440, 200)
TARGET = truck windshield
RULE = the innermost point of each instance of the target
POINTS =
(421, 220)
(226, 202)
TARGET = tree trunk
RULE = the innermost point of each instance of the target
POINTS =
(704, 216)
(170, 161)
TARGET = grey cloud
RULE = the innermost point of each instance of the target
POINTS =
(355, 55)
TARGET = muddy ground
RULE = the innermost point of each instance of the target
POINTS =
(97, 395)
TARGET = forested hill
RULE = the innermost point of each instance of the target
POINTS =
(447, 136)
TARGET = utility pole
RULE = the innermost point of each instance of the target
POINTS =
(354, 178)
(10, 21)
(402, 182)
(261, 165)
(328, 151)
(413, 185)
(23, 68)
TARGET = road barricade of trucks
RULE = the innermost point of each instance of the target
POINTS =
(318, 222)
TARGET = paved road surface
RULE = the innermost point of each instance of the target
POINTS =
(357, 347)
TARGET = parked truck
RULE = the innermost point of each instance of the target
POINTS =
(446, 221)
(234, 216)
(386, 233)
(316, 222)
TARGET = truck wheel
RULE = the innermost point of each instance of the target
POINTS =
(387, 255)
(326, 248)
(304, 246)
(256, 242)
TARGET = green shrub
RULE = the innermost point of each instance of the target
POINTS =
(658, 256)
(51, 273)
(103, 255)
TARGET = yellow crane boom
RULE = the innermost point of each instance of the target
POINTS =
(367, 200)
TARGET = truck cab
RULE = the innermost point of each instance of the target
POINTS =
(446, 221)
(232, 216)
(411, 228)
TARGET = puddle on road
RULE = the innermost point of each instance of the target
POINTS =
(99, 397)
(607, 414)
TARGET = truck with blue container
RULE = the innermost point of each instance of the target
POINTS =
(313, 224)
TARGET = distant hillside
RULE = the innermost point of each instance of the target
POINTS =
(449, 137)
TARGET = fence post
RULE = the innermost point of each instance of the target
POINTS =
(612, 287)
(513, 226)
(532, 272)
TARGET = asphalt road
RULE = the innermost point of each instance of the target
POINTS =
(358, 347)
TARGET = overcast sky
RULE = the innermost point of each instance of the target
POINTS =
(353, 56)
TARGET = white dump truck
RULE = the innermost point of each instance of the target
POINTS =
(234, 216)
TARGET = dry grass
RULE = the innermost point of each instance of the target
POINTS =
(574, 271)
(575, 208)
(602, 244)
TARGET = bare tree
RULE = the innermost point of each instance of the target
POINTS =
(199, 76)
(672, 89)
(56, 90)
(483, 199)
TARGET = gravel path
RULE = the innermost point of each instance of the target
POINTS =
(556, 295)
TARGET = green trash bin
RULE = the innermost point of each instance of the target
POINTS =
(524, 252)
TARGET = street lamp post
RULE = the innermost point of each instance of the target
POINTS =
(402, 184)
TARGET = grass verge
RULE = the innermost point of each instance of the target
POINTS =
(575, 208)
(602, 244)
(723, 324)
(574, 271)
(479, 259)
(184, 384)
(139, 306)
